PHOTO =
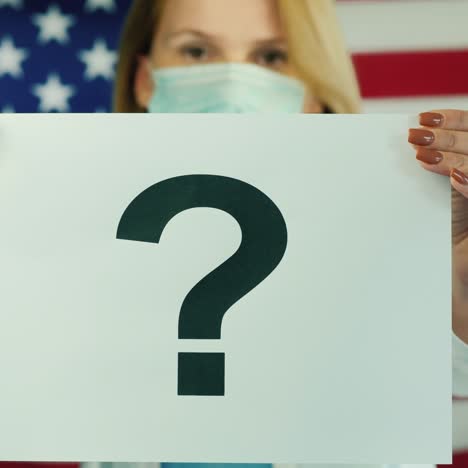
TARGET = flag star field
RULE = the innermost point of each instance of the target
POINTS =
(59, 56)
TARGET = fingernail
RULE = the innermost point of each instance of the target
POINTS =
(420, 137)
(429, 156)
(459, 177)
(431, 119)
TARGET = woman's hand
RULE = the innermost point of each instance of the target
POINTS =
(442, 146)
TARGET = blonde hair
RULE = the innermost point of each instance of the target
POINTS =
(315, 43)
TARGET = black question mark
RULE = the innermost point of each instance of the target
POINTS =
(264, 240)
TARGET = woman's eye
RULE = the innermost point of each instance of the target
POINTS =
(195, 52)
(273, 58)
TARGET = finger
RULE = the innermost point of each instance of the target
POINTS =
(442, 162)
(454, 165)
(443, 140)
(448, 119)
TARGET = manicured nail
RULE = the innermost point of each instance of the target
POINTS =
(431, 119)
(459, 177)
(429, 156)
(420, 137)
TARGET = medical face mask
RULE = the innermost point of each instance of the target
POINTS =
(224, 88)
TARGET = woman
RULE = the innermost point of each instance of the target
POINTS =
(278, 56)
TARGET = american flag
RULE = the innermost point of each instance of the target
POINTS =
(410, 56)
(60, 55)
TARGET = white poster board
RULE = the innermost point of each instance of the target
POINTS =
(341, 354)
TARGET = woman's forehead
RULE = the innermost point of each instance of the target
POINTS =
(249, 19)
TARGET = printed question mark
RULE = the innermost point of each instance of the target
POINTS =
(264, 240)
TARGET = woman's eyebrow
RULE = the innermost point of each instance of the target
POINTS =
(198, 34)
(274, 41)
(192, 33)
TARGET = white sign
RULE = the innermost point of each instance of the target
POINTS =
(322, 333)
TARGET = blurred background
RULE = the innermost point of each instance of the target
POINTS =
(59, 56)
(410, 56)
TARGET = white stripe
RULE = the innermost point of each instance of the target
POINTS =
(460, 425)
(414, 105)
(373, 26)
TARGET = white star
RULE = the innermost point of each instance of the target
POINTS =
(8, 110)
(16, 4)
(11, 58)
(99, 61)
(53, 25)
(53, 94)
(93, 5)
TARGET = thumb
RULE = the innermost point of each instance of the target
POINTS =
(459, 218)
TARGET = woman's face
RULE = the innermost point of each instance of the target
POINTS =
(194, 32)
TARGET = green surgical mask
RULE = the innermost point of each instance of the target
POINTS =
(225, 88)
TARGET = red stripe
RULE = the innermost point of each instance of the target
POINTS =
(411, 74)
(458, 461)
(14, 464)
